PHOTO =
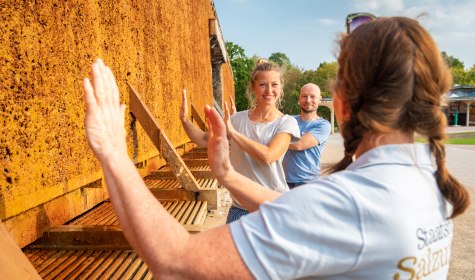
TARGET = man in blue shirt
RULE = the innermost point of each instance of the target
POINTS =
(302, 159)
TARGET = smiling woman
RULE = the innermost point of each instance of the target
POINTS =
(260, 136)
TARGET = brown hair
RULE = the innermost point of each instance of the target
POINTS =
(393, 77)
(263, 65)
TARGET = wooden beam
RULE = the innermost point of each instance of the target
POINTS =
(165, 174)
(141, 112)
(90, 237)
(218, 47)
(197, 118)
(196, 155)
(218, 108)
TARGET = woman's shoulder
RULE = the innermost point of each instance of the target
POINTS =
(240, 114)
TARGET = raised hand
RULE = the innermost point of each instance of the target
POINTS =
(227, 120)
(104, 122)
(218, 145)
(233, 105)
(184, 107)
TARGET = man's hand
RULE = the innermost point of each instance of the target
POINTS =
(184, 107)
(218, 145)
(104, 114)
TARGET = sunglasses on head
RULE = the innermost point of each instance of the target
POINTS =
(357, 19)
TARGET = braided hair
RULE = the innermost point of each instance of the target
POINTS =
(392, 77)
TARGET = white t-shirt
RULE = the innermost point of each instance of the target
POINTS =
(269, 175)
(381, 218)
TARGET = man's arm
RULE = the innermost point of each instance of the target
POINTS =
(307, 141)
(318, 133)
(167, 248)
(264, 153)
(196, 135)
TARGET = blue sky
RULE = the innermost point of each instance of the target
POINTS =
(305, 30)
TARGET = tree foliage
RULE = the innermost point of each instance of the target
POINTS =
(451, 61)
(460, 76)
(242, 67)
(322, 76)
(280, 59)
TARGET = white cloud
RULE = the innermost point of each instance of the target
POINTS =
(378, 6)
(327, 21)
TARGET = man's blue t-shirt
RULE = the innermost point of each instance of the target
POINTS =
(303, 166)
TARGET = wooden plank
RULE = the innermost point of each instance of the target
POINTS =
(161, 141)
(98, 265)
(174, 194)
(84, 237)
(149, 276)
(66, 263)
(197, 118)
(141, 273)
(168, 174)
(103, 266)
(97, 237)
(202, 214)
(115, 265)
(132, 269)
(42, 257)
(192, 216)
(218, 108)
(196, 155)
(53, 263)
(200, 149)
(73, 267)
(219, 50)
(182, 215)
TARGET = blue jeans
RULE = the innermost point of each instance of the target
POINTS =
(293, 185)
(235, 213)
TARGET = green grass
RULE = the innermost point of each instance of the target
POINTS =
(459, 138)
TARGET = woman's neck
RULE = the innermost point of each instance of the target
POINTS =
(264, 114)
(373, 140)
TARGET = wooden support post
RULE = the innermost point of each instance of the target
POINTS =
(161, 141)
(197, 118)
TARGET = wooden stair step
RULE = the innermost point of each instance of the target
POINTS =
(192, 154)
(185, 212)
(198, 171)
(170, 189)
(88, 264)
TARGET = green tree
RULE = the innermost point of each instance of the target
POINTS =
(295, 78)
(325, 73)
(292, 83)
(452, 62)
(460, 76)
(280, 59)
(242, 67)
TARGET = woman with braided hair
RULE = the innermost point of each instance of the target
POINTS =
(384, 213)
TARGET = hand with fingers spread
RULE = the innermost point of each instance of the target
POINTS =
(196, 135)
(184, 107)
(104, 114)
(218, 145)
